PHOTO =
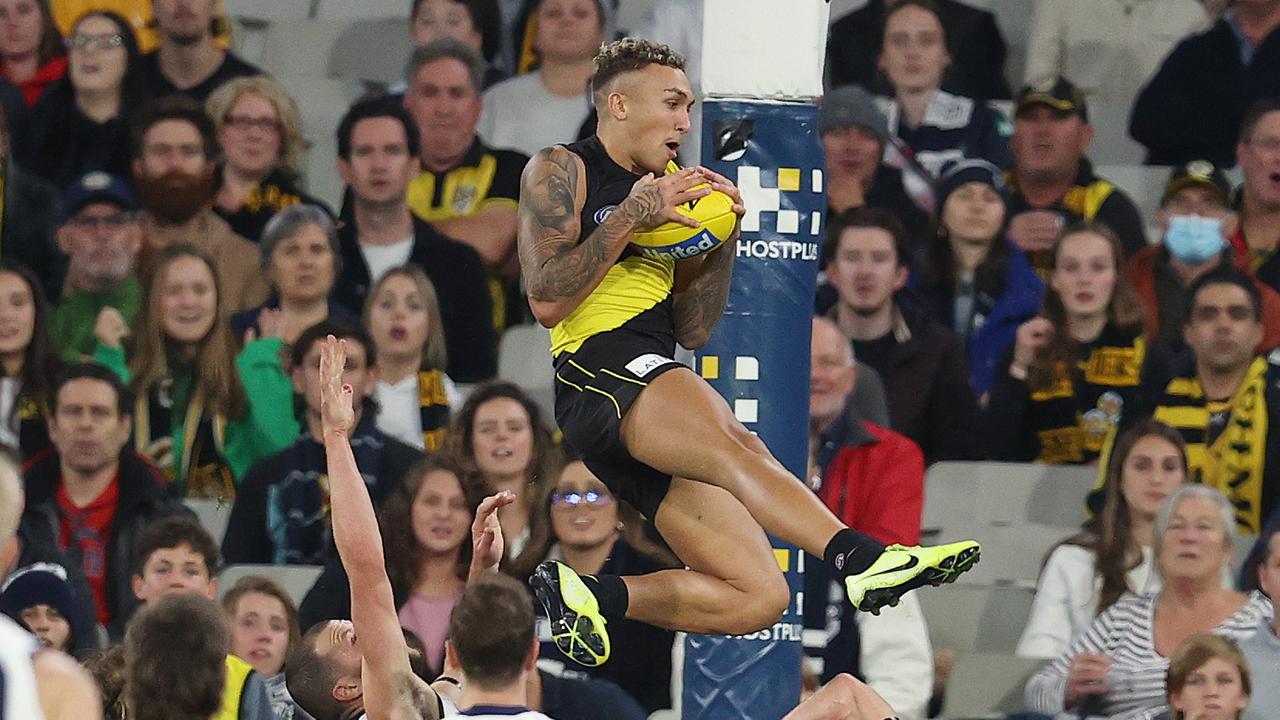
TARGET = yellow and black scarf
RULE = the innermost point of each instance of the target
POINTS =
(1232, 461)
(433, 404)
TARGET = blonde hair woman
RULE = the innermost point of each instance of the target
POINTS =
(259, 132)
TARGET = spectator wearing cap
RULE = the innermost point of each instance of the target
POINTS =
(1195, 104)
(934, 126)
(101, 235)
(1257, 235)
(1195, 221)
(973, 41)
(39, 597)
(1052, 183)
(467, 190)
(189, 60)
(854, 136)
(1109, 48)
(970, 278)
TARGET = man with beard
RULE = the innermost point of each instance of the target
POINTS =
(467, 190)
(189, 61)
(101, 236)
(173, 148)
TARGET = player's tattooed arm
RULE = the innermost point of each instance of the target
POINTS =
(560, 268)
(700, 301)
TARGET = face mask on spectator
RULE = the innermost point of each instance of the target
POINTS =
(1194, 239)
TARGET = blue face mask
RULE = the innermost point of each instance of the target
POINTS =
(1194, 239)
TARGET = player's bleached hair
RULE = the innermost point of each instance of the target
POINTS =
(626, 55)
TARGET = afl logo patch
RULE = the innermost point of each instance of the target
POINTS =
(603, 213)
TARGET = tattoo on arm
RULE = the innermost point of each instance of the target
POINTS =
(700, 305)
(557, 264)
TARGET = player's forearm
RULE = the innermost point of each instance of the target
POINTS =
(701, 304)
(355, 526)
(563, 280)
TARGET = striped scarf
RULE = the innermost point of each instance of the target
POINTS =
(1233, 461)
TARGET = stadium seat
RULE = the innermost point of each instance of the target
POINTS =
(285, 10)
(371, 51)
(976, 618)
(1143, 183)
(1243, 544)
(321, 102)
(363, 9)
(301, 48)
(966, 496)
(213, 515)
(987, 686)
(524, 359)
(295, 579)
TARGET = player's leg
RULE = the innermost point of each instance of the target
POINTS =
(680, 426)
(733, 585)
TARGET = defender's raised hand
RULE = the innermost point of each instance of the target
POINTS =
(337, 414)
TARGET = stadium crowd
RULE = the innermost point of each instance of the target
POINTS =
(168, 282)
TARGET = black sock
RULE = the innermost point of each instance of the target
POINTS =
(610, 592)
(850, 552)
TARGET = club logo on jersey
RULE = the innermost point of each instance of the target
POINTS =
(604, 213)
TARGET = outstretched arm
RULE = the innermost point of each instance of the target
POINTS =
(391, 690)
(702, 285)
(559, 267)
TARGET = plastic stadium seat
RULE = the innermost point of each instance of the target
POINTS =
(321, 102)
(524, 358)
(373, 51)
(301, 48)
(988, 686)
(963, 496)
(287, 10)
(213, 515)
(295, 579)
(1143, 183)
(976, 618)
(363, 9)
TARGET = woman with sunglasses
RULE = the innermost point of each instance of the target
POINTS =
(80, 124)
(592, 533)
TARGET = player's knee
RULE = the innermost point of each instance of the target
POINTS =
(765, 604)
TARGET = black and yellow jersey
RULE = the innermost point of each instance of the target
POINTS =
(636, 292)
(483, 178)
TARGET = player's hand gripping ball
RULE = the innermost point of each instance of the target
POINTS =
(674, 241)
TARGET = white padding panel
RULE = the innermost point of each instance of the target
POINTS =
(753, 49)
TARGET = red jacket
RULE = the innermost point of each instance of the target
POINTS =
(876, 485)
